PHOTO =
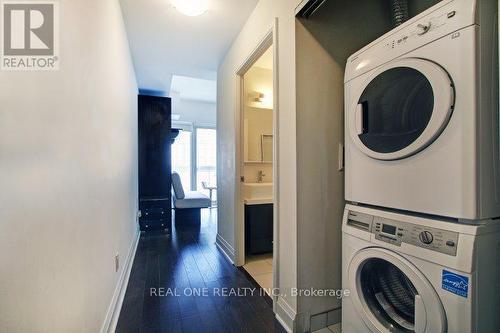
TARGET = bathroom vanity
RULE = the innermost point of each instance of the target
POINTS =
(258, 228)
(258, 218)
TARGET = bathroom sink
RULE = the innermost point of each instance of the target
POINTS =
(258, 193)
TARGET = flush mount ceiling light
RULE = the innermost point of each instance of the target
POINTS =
(191, 7)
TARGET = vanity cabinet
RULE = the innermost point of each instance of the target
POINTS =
(258, 229)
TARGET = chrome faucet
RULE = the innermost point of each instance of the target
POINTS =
(260, 176)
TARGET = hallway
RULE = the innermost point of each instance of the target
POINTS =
(190, 261)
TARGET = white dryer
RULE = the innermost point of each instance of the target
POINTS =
(414, 274)
(421, 115)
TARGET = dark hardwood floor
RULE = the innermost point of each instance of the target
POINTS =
(189, 262)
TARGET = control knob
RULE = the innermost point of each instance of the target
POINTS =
(422, 29)
(426, 237)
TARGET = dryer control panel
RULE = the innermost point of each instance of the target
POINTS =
(398, 232)
(428, 25)
(443, 22)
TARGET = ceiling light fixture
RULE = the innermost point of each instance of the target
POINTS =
(191, 7)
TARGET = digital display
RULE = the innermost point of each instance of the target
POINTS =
(389, 229)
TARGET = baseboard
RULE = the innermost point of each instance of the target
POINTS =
(325, 319)
(282, 322)
(115, 307)
(334, 317)
(225, 248)
(285, 314)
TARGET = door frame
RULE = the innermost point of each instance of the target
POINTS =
(270, 39)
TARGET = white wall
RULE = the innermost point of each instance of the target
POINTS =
(68, 173)
(258, 120)
(258, 80)
(250, 36)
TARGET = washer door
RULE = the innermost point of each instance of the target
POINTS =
(401, 109)
(392, 295)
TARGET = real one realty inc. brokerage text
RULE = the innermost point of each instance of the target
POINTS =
(247, 291)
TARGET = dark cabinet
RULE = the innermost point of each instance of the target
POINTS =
(154, 121)
(258, 228)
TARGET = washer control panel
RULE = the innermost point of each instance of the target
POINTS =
(397, 232)
(443, 241)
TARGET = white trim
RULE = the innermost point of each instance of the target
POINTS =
(194, 160)
(239, 209)
(258, 51)
(205, 125)
(183, 125)
(282, 322)
(301, 5)
(115, 306)
(285, 314)
(334, 316)
(270, 39)
(226, 248)
(239, 230)
(276, 178)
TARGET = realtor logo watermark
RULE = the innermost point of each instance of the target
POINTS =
(30, 36)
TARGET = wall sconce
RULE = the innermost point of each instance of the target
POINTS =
(261, 100)
(259, 97)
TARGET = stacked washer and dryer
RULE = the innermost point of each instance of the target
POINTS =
(421, 232)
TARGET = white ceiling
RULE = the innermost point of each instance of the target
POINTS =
(165, 42)
(189, 88)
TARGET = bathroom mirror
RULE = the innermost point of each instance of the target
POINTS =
(266, 144)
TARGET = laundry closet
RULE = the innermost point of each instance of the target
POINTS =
(327, 33)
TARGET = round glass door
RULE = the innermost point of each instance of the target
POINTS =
(392, 295)
(389, 294)
(401, 109)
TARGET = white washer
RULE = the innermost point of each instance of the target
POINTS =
(414, 274)
(421, 115)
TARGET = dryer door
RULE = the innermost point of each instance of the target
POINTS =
(392, 295)
(400, 109)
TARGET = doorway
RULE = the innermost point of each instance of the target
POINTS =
(194, 160)
(257, 218)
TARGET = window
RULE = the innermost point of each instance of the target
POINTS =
(206, 158)
(181, 158)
